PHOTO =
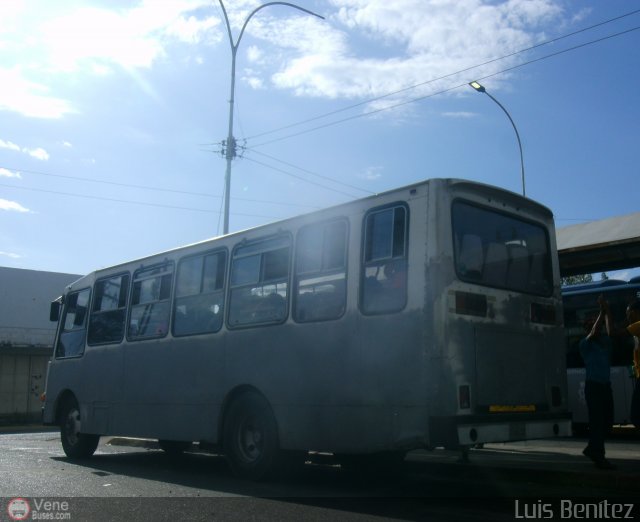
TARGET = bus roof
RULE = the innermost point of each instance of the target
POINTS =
(608, 285)
(489, 191)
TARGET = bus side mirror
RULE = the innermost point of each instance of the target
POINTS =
(54, 311)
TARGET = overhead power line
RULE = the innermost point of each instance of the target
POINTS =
(147, 187)
(130, 202)
(300, 178)
(442, 91)
(326, 178)
(421, 84)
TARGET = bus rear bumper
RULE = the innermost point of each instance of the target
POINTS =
(471, 430)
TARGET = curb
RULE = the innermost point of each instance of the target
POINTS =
(27, 428)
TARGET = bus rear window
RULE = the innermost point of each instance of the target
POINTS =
(500, 250)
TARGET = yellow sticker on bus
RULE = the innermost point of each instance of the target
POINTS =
(504, 408)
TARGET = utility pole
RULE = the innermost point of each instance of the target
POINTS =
(230, 144)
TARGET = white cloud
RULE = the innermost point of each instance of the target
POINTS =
(192, 30)
(92, 34)
(9, 145)
(10, 255)
(459, 114)
(254, 82)
(6, 173)
(12, 206)
(58, 39)
(130, 38)
(433, 36)
(365, 48)
(38, 153)
(29, 98)
(254, 54)
(371, 173)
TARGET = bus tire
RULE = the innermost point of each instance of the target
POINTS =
(76, 445)
(250, 437)
(174, 448)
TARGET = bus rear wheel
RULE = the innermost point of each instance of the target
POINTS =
(251, 437)
(76, 445)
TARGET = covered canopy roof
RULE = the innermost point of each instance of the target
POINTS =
(599, 246)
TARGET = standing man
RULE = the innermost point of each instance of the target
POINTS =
(633, 316)
(595, 350)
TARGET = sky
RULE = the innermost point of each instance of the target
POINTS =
(114, 114)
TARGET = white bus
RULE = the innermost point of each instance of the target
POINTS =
(425, 316)
(580, 302)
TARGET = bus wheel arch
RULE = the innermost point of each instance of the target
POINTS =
(76, 445)
(250, 434)
(63, 399)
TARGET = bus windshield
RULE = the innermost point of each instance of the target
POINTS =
(500, 250)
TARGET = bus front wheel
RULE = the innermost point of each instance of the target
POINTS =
(251, 437)
(76, 445)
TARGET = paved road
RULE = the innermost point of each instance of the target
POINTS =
(128, 482)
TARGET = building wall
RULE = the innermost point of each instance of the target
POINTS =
(26, 339)
(23, 373)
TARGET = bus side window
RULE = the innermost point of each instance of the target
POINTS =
(320, 286)
(106, 324)
(150, 302)
(72, 335)
(259, 282)
(199, 301)
(384, 274)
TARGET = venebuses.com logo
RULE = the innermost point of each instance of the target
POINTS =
(38, 509)
(18, 509)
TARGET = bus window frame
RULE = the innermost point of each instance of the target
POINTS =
(297, 276)
(63, 318)
(126, 307)
(381, 261)
(253, 248)
(516, 217)
(225, 285)
(142, 268)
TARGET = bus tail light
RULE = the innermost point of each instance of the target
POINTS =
(43, 397)
(464, 397)
(543, 314)
(471, 304)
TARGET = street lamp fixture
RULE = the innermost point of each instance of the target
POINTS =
(481, 88)
(230, 144)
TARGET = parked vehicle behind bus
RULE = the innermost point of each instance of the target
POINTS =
(425, 316)
(580, 302)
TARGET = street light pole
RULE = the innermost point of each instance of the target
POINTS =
(230, 151)
(480, 88)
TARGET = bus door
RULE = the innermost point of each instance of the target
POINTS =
(103, 359)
